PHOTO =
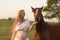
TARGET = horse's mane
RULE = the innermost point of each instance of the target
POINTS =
(41, 25)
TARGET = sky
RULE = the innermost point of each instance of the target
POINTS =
(10, 8)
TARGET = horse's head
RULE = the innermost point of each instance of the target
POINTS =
(37, 14)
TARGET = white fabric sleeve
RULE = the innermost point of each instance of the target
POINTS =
(28, 23)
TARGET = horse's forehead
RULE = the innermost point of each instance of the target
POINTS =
(36, 11)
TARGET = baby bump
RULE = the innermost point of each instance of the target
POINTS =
(21, 34)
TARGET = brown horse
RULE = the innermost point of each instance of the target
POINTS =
(44, 30)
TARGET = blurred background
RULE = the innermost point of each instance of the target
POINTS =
(9, 10)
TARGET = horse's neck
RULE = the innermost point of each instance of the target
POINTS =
(42, 23)
(40, 26)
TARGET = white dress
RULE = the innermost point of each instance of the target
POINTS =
(25, 25)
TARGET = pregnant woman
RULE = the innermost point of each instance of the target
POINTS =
(21, 27)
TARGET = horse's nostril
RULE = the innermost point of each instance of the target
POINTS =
(35, 19)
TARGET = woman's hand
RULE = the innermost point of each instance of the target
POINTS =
(34, 23)
(29, 29)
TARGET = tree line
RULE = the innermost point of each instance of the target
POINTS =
(52, 9)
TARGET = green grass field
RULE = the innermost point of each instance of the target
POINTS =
(5, 30)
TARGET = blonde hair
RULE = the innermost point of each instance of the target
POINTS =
(17, 20)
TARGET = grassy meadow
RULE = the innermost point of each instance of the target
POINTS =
(5, 30)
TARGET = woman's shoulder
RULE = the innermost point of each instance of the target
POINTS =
(27, 21)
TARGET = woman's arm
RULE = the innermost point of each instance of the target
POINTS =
(13, 30)
(29, 29)
(13, 35)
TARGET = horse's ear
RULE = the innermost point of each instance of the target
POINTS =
(32, 8)
(42, 7)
